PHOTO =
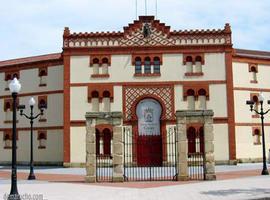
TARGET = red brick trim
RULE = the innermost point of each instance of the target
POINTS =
(100, 88)
(34, 94)
(242, 59)
(43, 71)
(101, 127)
(66, 108)
(230, 105)
(256, 128)
(251, 124)
(36, 128)
(252, 65)
(100, 75)
(40, 132)
(194, 74)
(193, 56)
(195, 87)
(220, 120)
(147, 75)
(156, 83)
(77, 123)
(9, 75)
(252, 89)
(145, 55)
(100, 58)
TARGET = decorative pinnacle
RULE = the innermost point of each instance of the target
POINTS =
(227, 28)
(66, 32)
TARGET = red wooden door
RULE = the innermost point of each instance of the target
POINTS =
(149, 150)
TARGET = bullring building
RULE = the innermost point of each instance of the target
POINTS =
(147, 72)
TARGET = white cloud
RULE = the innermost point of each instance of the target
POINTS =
(35, 27)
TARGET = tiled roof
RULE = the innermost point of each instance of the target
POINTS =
(252, 53)
(48, 57)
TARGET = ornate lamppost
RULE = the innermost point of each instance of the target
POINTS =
(31, 103)
(14, 88)
(261, 113)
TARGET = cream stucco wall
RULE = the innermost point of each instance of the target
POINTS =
(53, 153)
(80, 105)
(221, 142)
(242, 76)
(54, 112)
(54, 80)
(242, 112)
(217, 99)
(77, 144)
(172, 69)
(245, 149)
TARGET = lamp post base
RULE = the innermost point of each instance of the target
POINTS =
(265, 172)
(31, 177)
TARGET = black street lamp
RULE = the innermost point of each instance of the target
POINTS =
(14, 88)
(261, 113)
(31, 103)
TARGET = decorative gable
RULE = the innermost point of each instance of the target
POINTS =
(147, 32)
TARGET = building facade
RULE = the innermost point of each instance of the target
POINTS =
(146, 66)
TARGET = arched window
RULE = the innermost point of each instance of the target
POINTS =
(253, 71)
(191, 136)
(256, 136)
(106, 101)
(42, 101)
(198, 64)
(191, 99)
(7, 139)
(42, 77)
(8, 80)
(95, 101)
(156, 65)
(189, 64)
(147, 65)
(202, 99)
(95, 66)
(105, 64)
(8, 109)
(255, 99)
(42, 137)
(138, 65)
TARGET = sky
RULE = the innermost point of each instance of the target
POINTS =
(35, 27)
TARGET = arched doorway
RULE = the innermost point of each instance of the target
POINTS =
(149, 137)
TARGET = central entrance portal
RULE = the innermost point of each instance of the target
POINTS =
(149, 140)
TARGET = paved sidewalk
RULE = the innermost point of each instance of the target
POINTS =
(234, 182)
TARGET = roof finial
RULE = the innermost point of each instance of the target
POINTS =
(66, 32)
(227, 28)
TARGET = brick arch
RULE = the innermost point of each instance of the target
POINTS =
(148, 96)
(164, 94)
(102, 127)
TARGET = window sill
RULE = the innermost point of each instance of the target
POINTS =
(194, 74)
(253, 81)
(255, 116)
(259, 143)
(9, 121)
(43, 85)
(7, 147)
(41, 147)
(42, 120)
(100, 76)
(148, 75)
